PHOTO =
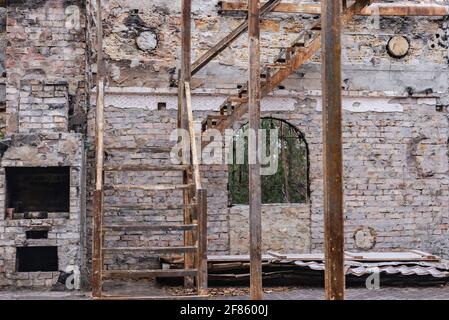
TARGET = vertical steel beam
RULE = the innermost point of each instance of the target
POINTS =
(332, 157)
(97, 255)
(253, 148)
(186, 75)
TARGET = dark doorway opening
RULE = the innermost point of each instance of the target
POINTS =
(34, 259)
(40, 189)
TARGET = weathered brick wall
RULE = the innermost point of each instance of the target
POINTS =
(45, 80)
(44, 107)
(285, 228)
(46, 42)
(395, 153)
(65, 229)
(140, 135)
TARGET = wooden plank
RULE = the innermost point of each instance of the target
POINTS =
(145, 167)
(97, 241)
(277, 255)
(406, 10)
(139, 149)
(182, 249)
(409, 256)
(125, 206)
(305, 8)
(157, 187)
(149, 227)
(234, 258)
(193, 149)
(426, 254)
(186, 75)
(255, 196)
(202, 242)
(147, 274)
(143, 298)
(229, 39)
(382, 9)
(332, 145)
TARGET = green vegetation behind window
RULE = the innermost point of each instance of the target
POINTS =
(290, 182)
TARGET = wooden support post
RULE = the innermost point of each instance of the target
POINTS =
(253, 148)
(202, 241)
(332, 144)
(97, 255)
(186, 74)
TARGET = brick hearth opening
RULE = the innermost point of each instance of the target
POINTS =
(34, 259)
(40, 189)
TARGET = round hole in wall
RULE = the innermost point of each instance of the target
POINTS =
(398, 47)
(365, 238)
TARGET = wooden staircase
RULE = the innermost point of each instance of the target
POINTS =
(288, 61)
(192, 211)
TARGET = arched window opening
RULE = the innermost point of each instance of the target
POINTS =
(290, 182)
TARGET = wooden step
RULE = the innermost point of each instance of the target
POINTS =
(121, 207)
(138, 149)
(237, 99)
(142, 298)
(146, 167)
(156, 187)
(277, 65)
(183, 249)
(140, 274)
(146, 227)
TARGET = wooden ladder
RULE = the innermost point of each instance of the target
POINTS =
(288, 61)
(193, 228)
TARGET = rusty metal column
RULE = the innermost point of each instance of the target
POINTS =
(332, 144)
(255, 221)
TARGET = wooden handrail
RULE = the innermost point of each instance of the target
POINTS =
(230, 38)
(193, 150)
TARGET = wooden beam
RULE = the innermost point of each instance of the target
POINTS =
(255, 197)
(383, 9)
(309, 8)
(202, 242)
(332, 145)
(405, 10)
(97, 241)
(193, 150)
(186, 75)
(230, 38)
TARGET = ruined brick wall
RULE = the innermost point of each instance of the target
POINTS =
(46, 42)
(45, 94)
(285, 228)
(2, 70)
(139, 134)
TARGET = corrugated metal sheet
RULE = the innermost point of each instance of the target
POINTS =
(437, 270)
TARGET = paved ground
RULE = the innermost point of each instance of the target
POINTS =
(410, 293)
(389, 293)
